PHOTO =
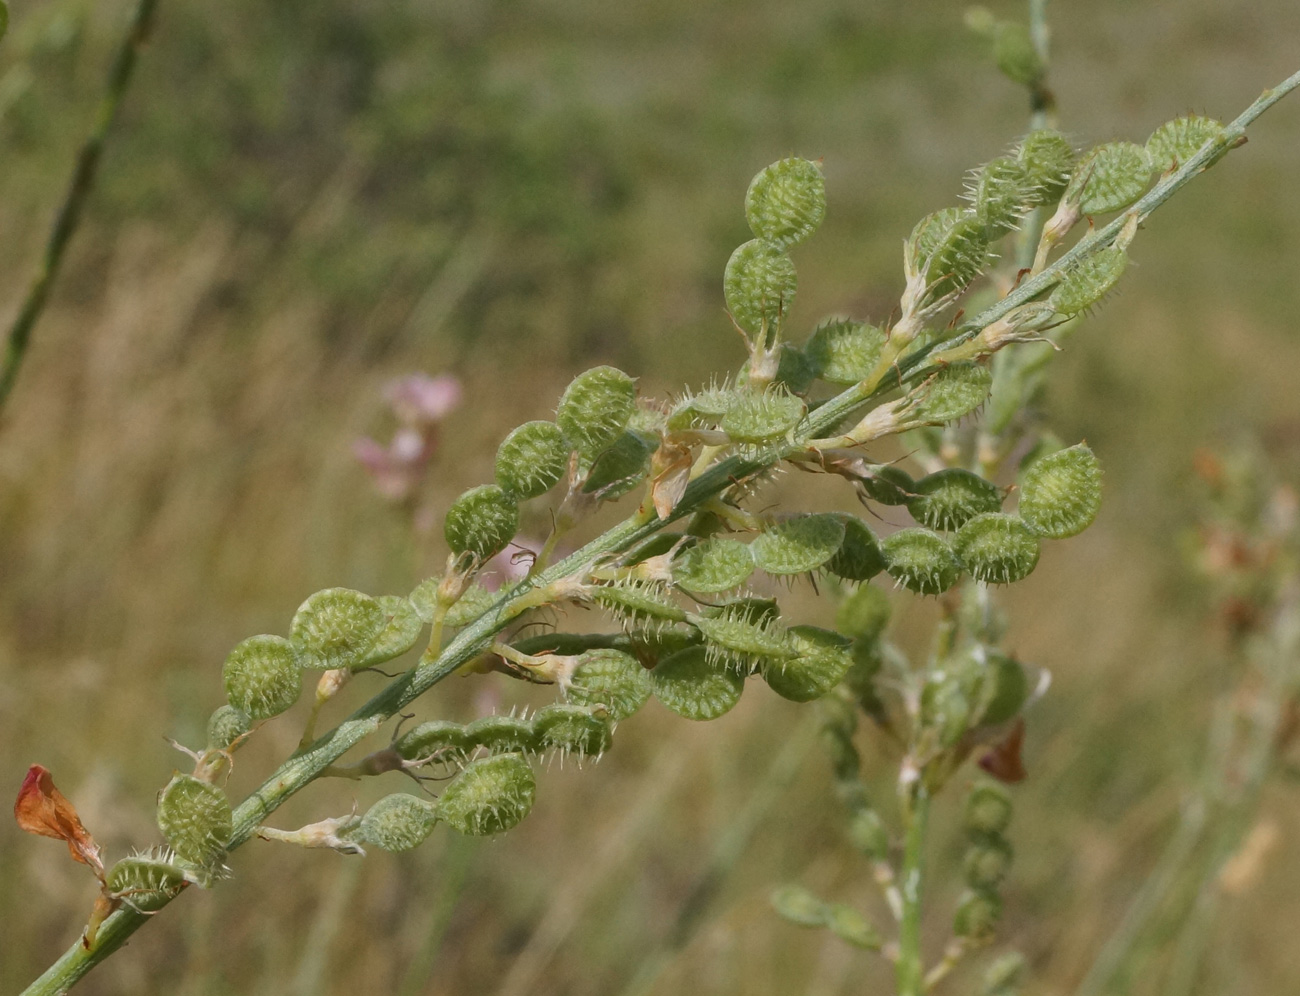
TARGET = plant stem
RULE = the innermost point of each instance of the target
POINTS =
(74, 199)
(911, 966)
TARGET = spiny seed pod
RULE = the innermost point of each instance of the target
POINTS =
(717, 564)
(799, 544)
(226, 725)
(949, 498)
(852, 926)
(693, 688)
(822, 661)
(759, 285)
(531, 460)
(956, 390)
(888, 485)
(799, 906)
(987, 862)
(1176, 141)
(740, 638)
(1088, 282)
(864, 614)
(334, 628)
(1000, 193)
(949, 247)
(490, 796)
(920, 561)
(786, 202)
(1060, 494)
(595, 409)
(262, 677)
(481, 522)
(146, 882)
(977, 915)
(572, 729)
(868, 834)
(194, 816)
(612, 680)
(988, 808)
(843, 351)
(695, 411)
(638, 602)
(764, 417)
(437, 738)
(398, 822)
(502, 735)
(621, 468)
(400, 632)
(1003, 976)
(859, 557)
(1047, 160)
(1005, 687)
(473, 602)
(1110, 177)
(997, 548)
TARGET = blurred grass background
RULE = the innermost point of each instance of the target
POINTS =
(305, 199)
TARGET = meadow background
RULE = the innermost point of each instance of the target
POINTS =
(306, 198)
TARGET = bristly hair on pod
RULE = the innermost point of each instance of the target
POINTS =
(712, 566)
(997, 548)
(481, 522)
(843, 351)
(491, 795)
(759, 285)
(1176, 141)
(1089, 281)
(947, 499)
(1060, 494)
(786, 201)
(742, 636)
(693, 687)
(638, 603)
(921, 561)
(758, 417)
(609, 680)
(335, 628)
(595, 409)
(147, 880)
(570, 729)
(799, 544)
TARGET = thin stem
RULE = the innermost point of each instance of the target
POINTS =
(911, 966)
(74, 199)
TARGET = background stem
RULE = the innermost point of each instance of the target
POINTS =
(911, 966)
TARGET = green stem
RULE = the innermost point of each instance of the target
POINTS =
(74, 199)
(911, 965)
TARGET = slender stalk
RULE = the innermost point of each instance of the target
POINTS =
(911, 965)
(74, 199)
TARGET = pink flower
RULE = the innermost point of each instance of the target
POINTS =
(419, 403)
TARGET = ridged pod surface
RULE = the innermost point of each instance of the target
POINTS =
(502, 735)
(820, 663)
(1176, 141)
(638, 602)
(786, 202)
(956, 390)
(759, 285)
(438, 738)
(572, 729)
(472, 603)
(762, 416)
(949, 247)
(398, 822)
(997, 548)
(532, 459)
(799, 544)
(1109, 177)
(1088, 282)
(692, 687)
(843, 351)
(988, 808)
(701, 409)
(490, 796)
(146, 882)
(622, 467)
(1060, 494)
(262, 677)
(947, 499)
(1000, 193)
(859, 557)
(195, 818)
(226, 725)
(595, 409)
(481, 522)
(863, 614)
(921, 561)
(1047, 159)
(712, 566)
(612, 680)
(402, 628)
(741, 637)
(334, 628)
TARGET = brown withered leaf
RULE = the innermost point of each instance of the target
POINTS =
(671, 470)
(1003, 761)
(42, 809)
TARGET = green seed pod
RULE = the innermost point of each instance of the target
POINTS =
(764, 417)
(852, 926)
(1176, 141)
(949, 247)
(481, 522)
(864, 614)
(1047, 159)
(1004, 689)
(741, 638)
(595, 409)
(988, 808)
(1003, 976)
(859, 557)
(843, 351)
(997, 548)
(977, 915)
(799, 906)
(921, 561)
(226, 725)
(612, 680)
(822, 661)
(638, 602)
(531, 460)
(1000, 193)
(947, 499)
(799, 544)
(693, 688)
(440, 738)
(262, 677)
(490, 796)
(398, 822)
(696, 411)
(1110, 177)
(717, 564)
(503, 735)
(335, 628)
(888, 485)
(473, 602)
(621, 468)
(1060, 494)
(146, 882)
(868, 834)
(572, 729)
(1088, 282)
(786, 202)
(987, 862)
(1015, 53)
(759, 285)
(956, 390)
(946, 709)
(794, 371)
(402, 629)
(194, 816)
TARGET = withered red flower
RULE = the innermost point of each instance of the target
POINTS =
(42, 809)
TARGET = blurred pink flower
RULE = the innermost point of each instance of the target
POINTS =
(419, 399)
(419, 403)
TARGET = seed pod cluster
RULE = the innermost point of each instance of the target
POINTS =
(986, 862)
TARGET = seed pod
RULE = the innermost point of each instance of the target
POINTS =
(821, 661)
(977, 915)
(473, 602)
(398, 822)
(572, 729)
(740, 638)
(1060, 494)
(402, 629)
(1176, 141)
(843, 351)
(1000, 193)
(226, 725)
(988, 808)
(531, 460)
(794, 370)
(852, 926)
(440, 738)
(762, 417)
(1015, 53)
(987, 862)
(946, 708)
(621, 467)
(612, 680)
(759, 285)
(1088, 282)
(997, 548)
(146, 882)
(490, 796)
(1110, 177)
(638, 602)
(334, 628)
(715, 565)
(1003, 976)
(194, 816)
(695, 411)
(949, 498)
(868, 834)
(786, 202)
(859, 557)
(502, 735)
(595, 409)
(954, 391)
(888, 485)
(1005, 687)
(693, 688)
(864, 614)
(1047, 159)
(481, 522)
(262, 677)
(949, 247)
(920, 561)
(799, 906)
(868, 659)
(799, 544)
